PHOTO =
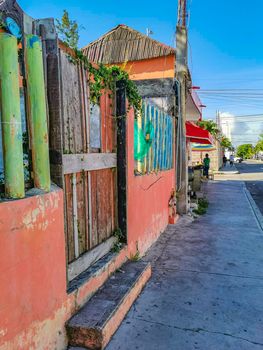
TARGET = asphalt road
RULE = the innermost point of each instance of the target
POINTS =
(251, 172)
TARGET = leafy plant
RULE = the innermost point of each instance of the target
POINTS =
(120, 240)
(101, 77)
(68, 30)
(226, 143)
(212, 127)
(135, 257)
(245, 151)
(259, 146)
(202, 206)
(2, 22)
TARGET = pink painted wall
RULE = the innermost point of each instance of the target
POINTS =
(148, 199)
(34, 303)
(32, 265)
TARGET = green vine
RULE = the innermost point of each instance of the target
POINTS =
(105, 77)
(120, 240)
(102, 77)
(2, 23)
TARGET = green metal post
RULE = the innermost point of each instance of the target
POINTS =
(38, 112)
(11, 117)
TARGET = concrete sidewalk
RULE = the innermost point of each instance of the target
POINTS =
(227, 170)
(206, 291)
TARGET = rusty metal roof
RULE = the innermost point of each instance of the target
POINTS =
(122, 44)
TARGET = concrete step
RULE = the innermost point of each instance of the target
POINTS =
(94, 324)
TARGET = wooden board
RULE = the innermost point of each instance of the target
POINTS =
(73, 163)
(90, 181)
(71, 106)
(69, 217)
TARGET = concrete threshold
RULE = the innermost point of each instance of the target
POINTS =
(93, 326)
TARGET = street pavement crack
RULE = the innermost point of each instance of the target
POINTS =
(199, 330)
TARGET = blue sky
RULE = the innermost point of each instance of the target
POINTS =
(225, 40)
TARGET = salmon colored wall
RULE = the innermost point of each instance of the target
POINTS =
(32, 262)
(153, 68)
(147, 200)
(34, 303)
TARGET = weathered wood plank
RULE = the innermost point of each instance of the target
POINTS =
(73, 163)
(86, 206)
(81, 222)
(69, 217)
(94, 209)
(103, 102)
(109, 204)
(72, 135)
(102, 203)
(89, 258)
(75, 216)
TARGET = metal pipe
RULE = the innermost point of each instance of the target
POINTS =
(37, 111)
(11, 117)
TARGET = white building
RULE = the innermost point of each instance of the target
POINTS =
(241, 129)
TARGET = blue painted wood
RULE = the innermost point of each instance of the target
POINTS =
(155, 157)
(160, 155)
(153, 140)
(167, 142)
(170, 142)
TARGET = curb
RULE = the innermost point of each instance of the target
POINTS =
(254, 207)
(226, 172)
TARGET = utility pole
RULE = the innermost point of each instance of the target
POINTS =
(181, 75)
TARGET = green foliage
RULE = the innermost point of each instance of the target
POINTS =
(202, 206)
(226, 143)
(212, 127)
(259, 146)
(105, 77)
(27, 162)
(101, 77)
(68, 30)
(2, 23)
(120, 239)
(245, 151)
(135, 257)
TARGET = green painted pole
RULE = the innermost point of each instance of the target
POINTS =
(38, 112)
(11, 117)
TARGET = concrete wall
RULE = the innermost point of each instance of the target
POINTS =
(153, 68)
(34, 303)
(32, 271)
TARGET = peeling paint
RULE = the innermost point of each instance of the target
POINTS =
(3, 332)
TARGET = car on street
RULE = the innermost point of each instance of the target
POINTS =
(238, 159)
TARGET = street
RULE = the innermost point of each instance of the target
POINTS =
(206, 291)
(251, 172)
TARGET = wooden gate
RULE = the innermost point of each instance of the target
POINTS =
(89, 169)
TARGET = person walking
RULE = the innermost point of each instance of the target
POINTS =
(231, 160)
(224, 160)
(206, 164)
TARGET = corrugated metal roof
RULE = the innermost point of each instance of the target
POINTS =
(122, 44)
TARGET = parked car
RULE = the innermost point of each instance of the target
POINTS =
(238, 159)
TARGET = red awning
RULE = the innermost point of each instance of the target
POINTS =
(198, 135)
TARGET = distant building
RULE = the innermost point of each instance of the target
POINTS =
(241, 129)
